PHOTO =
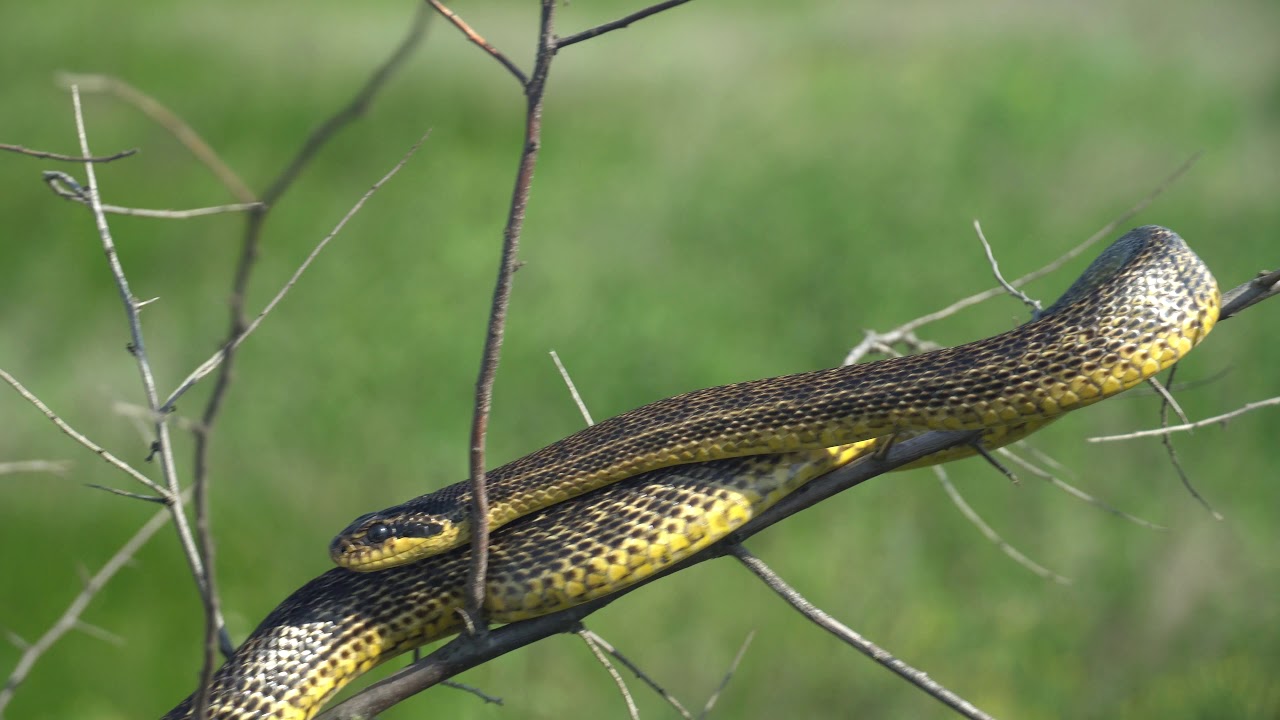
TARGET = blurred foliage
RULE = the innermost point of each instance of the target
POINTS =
(726, 192)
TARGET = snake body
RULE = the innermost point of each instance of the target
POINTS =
(343, 623)
(1141, 305)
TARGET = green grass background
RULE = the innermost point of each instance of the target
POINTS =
(727, 191)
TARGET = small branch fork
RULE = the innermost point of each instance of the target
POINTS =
(534, 86)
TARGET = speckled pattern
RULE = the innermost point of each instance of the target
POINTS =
(1138, 308)
(343, 623)
(1145, 302)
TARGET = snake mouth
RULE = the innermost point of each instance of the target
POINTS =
(372, 544)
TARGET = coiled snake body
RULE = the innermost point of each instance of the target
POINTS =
(1140, 306)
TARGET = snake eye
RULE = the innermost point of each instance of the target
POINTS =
(377, 533)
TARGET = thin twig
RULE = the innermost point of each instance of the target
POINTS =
(587, 638)
(640, 674)
(724, 682)
(480, 42)
(486, 697)
(65, 186)
(166, 119)
(906, 329)
(55, 467)
(616, 24)
(1035, 306)
(75, 435)
(217, 358)
(162, 499)
(498, 314)
(67, 158)
(1076, 492)
(976, 520)
(1215, 420)
(1167, 398)
(71, 616)
(1166, 439)
(573, 390)
(853, 639)
(163, 447)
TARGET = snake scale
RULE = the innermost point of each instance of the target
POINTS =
(1138, 308)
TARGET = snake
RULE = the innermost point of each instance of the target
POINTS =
(1142, 304)
(1139, 307)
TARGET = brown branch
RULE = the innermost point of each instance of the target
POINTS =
(616, 24)
(1266, 285)
(479, 40)
(498, 315)
(67, 158)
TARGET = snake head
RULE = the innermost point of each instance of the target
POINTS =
(385, 539)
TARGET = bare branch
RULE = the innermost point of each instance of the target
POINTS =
(67, 158)
(853, 639)
(903, 330)
(616, 24)
(70, 617)
(217, 358)
(166, 119)
(480, 42)
(1215, 420)
(489, 699)
(56, 467)
(588, 637)
(75, 435)
(733, 668)
(635, 670)
(972, 516)
(498, 313)
(162, 499)
(66, 187)
(1035, 306)
(1266, 285)
(573, 390)
(1076, 492)
(163, 447)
